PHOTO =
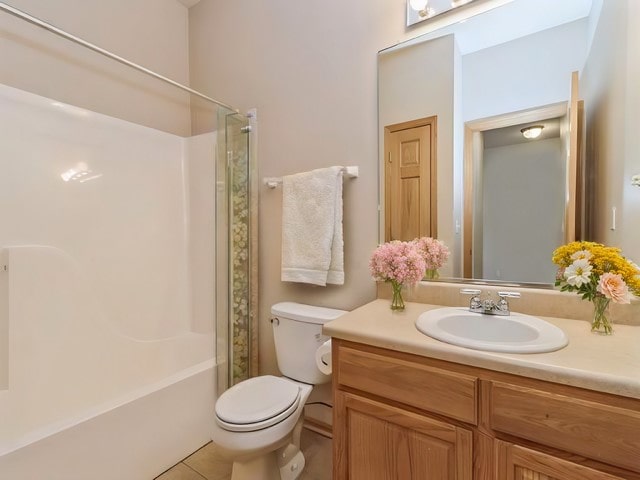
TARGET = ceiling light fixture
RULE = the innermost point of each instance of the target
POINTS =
(531, 132)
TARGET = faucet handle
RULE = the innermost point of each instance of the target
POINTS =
(475, 304)
(507, 294)
(503, 306)
(470, 291)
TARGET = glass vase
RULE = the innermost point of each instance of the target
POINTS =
(431, 274)
(601, 322)
(397, 303)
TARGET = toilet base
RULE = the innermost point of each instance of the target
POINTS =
(286, 463)
(263, 467)
(291, 462)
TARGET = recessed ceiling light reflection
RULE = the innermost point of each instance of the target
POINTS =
(88, 179)
(81, 112)
(80, 173)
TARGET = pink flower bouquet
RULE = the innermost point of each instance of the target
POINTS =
(403, 263)
(399, 263)
(435, 254)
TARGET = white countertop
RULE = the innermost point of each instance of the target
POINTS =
(603, 363)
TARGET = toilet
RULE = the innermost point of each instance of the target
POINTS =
(258, 421)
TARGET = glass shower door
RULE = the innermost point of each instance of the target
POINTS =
(236, 251)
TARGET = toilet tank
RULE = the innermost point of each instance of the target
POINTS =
(297, 333)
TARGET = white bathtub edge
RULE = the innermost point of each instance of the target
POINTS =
(136, 437)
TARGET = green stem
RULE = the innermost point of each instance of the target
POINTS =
(601, 322)
(431, 274)
(397, 303)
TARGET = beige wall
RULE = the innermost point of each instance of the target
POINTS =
(310, 69)
(609, 86)
(153, 33)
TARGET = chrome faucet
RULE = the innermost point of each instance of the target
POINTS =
(488, 306)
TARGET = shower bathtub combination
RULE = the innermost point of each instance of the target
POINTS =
(113, 215)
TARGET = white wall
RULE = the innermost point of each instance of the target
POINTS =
(533, 202)
(528, 72)
(609, 87)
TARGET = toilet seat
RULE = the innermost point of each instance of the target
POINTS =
(257, 403)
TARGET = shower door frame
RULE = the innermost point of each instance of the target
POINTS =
(236, 281)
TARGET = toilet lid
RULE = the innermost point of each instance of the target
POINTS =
(257, 403)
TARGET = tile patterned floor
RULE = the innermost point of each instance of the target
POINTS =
(207, 464)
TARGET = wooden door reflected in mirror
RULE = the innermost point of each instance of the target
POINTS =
(410, 179)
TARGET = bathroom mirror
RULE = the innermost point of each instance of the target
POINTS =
(514, 59)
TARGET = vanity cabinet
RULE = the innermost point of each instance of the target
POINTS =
(404, 416)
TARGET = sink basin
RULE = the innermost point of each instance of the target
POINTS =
(516, 333)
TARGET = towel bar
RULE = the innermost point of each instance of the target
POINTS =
(273, 182)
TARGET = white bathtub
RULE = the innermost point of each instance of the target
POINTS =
(137, 436)
(81, 399)
(106, 318)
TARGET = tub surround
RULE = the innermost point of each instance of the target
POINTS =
(103, 344)
(604, 364)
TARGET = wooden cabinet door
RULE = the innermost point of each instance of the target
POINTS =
(375, 441)
(519, 463)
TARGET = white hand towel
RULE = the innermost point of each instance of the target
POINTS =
(312, 243)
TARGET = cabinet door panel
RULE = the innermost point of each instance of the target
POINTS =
(519, 463)
(380, 450)
(381, 442)
(603, 432)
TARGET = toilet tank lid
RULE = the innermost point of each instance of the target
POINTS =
(306, 313)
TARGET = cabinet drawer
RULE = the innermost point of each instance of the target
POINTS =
(596, 430)
(428, 388)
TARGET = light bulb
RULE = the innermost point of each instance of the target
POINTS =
(533, 131)
(418, 5)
